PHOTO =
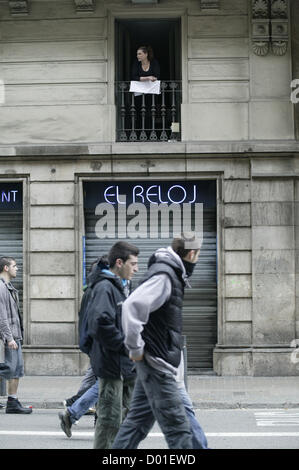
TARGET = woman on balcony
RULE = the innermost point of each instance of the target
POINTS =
(146, 67)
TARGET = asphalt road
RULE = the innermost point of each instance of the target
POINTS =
(225, 429)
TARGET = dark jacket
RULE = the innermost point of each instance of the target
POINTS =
(137, 70)
(163, 332)
(108, 355)
(85, 341)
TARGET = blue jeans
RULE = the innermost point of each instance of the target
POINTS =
(88, 380)
(81, 406)
(199, 440)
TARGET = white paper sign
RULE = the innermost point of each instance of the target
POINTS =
(138, 88)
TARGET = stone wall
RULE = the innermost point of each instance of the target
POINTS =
(261, 281)
(58, 70)
(257, 236)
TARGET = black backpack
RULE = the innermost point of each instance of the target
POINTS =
(85, 340)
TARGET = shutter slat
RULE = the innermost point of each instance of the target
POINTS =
(11, 244)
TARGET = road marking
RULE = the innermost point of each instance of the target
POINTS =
(277, 418)
(252, 434)
(43, 433)
(153, 434)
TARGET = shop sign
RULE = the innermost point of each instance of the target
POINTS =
(10, 196)
(148, 209)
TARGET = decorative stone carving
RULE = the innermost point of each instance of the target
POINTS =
(280, 26)
(279, 9)
(270, 26)
(209, 4)
(260, 27)
(260, 9)
(18, 8)
(261, 47)
(84, 5)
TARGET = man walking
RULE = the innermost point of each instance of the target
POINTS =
(11, 333)
(108, 355)
(152, 323)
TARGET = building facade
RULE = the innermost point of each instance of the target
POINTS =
(219, 145)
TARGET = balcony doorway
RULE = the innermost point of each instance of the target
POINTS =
(148, 117)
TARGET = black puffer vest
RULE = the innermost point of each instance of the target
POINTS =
(163, 332)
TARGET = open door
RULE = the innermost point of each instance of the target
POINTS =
(161, 111)
(164, 37)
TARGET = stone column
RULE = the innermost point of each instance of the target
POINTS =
(52, 271)
(273, 274)
(232, 354)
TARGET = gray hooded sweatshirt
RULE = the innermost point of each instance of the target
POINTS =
(147, 298)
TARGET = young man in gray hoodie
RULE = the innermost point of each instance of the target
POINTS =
(152, 324)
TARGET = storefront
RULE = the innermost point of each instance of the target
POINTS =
(11, 228)
(149, 214)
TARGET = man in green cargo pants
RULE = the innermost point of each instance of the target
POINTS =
(108, 355)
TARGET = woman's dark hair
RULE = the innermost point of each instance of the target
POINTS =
(147, 50)
(121, 250)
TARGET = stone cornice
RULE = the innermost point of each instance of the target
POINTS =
(240, 149)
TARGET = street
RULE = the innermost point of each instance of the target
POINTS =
(225, 429)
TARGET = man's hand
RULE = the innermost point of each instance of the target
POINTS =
(12, 344)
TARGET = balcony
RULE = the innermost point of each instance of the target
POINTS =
(148, 117)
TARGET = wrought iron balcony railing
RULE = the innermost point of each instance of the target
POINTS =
(148, 117)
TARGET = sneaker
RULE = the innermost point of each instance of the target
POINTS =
(13, 406)
(65, 423)
(1, 405)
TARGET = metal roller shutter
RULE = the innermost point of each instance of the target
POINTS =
(200, 303)
(11, 232)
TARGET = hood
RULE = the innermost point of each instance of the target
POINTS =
(99, 274)
(167, 255)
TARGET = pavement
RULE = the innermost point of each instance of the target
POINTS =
(206, 391)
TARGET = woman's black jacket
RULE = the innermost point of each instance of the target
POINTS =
(137, 70)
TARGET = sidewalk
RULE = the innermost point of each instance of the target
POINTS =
(205, 391)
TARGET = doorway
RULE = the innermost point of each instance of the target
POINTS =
(113, 222)
(164, 35)
(150, 117)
